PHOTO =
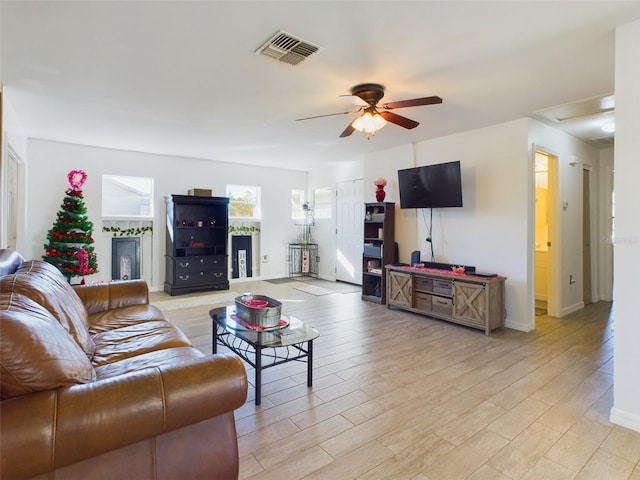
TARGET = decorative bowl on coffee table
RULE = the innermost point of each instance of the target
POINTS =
(260, 311)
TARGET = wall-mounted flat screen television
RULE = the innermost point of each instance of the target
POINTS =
(431, 186)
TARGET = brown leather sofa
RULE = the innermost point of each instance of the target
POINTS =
(96, 383)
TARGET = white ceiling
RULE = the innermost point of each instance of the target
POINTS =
(182, 78)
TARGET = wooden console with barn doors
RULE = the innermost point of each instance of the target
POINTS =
(466, 299)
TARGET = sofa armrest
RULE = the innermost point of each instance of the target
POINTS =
(55, 428)
(106, 296)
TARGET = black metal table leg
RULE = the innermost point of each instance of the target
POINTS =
(309, 363)
(258, 367)
(241, 342)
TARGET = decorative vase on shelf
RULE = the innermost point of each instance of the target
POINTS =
(380, 193)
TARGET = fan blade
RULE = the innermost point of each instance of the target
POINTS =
(327, 115)
(399, 120)
(356, 100)
(348, 131)
(416, 102)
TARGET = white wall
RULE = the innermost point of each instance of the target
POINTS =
(49, 163)
(604, 240)
(494, 229)
(491, 230)
(13, 131)
(386, 164)
(626, 408)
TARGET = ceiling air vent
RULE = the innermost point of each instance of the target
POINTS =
(287, 48)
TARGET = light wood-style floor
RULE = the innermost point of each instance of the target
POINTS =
(401, 396)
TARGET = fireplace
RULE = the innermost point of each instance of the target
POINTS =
(241, 256)
(125, 258)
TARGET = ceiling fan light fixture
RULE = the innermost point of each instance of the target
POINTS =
(366, 96)
(369, 123)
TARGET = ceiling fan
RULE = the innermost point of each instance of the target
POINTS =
(373, 116)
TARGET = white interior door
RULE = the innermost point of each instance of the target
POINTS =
(349, 231)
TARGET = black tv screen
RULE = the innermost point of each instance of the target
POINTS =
(431, 186)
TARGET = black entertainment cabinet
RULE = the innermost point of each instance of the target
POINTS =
(196, 244)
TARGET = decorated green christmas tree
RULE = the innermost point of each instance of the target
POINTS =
(70, 240)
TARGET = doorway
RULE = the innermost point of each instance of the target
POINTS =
(545, 172)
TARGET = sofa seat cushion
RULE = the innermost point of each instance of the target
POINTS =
(157, 358)
(123, 317)
(132, 340)
(36, 352)
(44, 284)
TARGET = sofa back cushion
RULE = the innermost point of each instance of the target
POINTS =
(44, 284)
(10, 260)
(36, 352)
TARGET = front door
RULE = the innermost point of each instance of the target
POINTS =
(349, 231)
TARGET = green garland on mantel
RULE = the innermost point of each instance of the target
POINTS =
(243, 230)
(135, 231)
(129, 232)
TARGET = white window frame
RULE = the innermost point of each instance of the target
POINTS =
(140, 197)
(234, 191)
(322, 203)
(298, 198)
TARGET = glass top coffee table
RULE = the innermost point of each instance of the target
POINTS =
(291, 341)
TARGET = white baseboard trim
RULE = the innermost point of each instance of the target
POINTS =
(257, 278)
(625, 419)
(572, 308)
(520, 326)
(232, 281)
(328, 278)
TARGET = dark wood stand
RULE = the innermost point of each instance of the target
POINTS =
(303, 260)
(196, 244)
(378, 251)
